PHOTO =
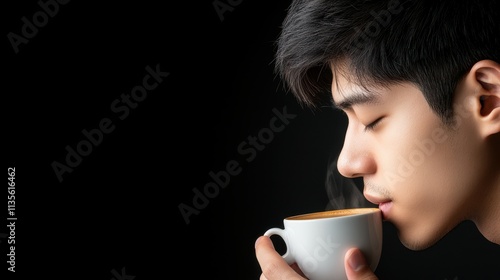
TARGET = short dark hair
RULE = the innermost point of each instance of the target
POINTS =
(430, 43)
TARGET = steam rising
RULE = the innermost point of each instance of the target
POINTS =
(343, 192)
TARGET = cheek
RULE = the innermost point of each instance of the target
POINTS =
(404, 148)
(422, 164)
(416, 158)
(432, 178)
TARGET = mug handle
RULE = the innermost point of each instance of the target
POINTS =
(281, 232)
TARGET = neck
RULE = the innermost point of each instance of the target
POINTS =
(489, 214)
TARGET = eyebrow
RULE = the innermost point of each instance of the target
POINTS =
(357, 98)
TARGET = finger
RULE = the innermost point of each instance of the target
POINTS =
(273, 266)
(356, 267)
(295, 267)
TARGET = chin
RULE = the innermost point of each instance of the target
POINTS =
(416, 245)
(418, 242)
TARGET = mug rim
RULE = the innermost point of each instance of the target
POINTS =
(326, 214)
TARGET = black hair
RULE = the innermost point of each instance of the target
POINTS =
(430, 43)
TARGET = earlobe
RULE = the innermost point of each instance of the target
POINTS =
(487, 75)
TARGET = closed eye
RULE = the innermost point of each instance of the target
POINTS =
(372, 125)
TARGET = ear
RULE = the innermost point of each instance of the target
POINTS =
(485, 74)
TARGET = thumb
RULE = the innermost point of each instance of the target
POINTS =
(356, 267)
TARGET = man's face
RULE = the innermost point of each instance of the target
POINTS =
(423, 174)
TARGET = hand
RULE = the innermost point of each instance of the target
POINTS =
(356, 267)
(274, 267)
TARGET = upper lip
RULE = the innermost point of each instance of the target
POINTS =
(376, 199)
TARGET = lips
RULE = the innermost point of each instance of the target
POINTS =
(384, 204)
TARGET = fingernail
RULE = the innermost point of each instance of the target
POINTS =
(357, 260)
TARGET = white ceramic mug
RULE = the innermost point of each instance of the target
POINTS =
(318, 241)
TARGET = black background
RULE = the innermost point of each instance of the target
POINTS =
(118, 210)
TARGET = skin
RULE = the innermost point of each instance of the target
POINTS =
(410, 161)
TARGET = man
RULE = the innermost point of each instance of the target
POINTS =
(419, 82)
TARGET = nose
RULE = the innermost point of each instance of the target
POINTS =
(356, 158)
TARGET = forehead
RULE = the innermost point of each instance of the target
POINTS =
(349, 91)
(344, 83)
